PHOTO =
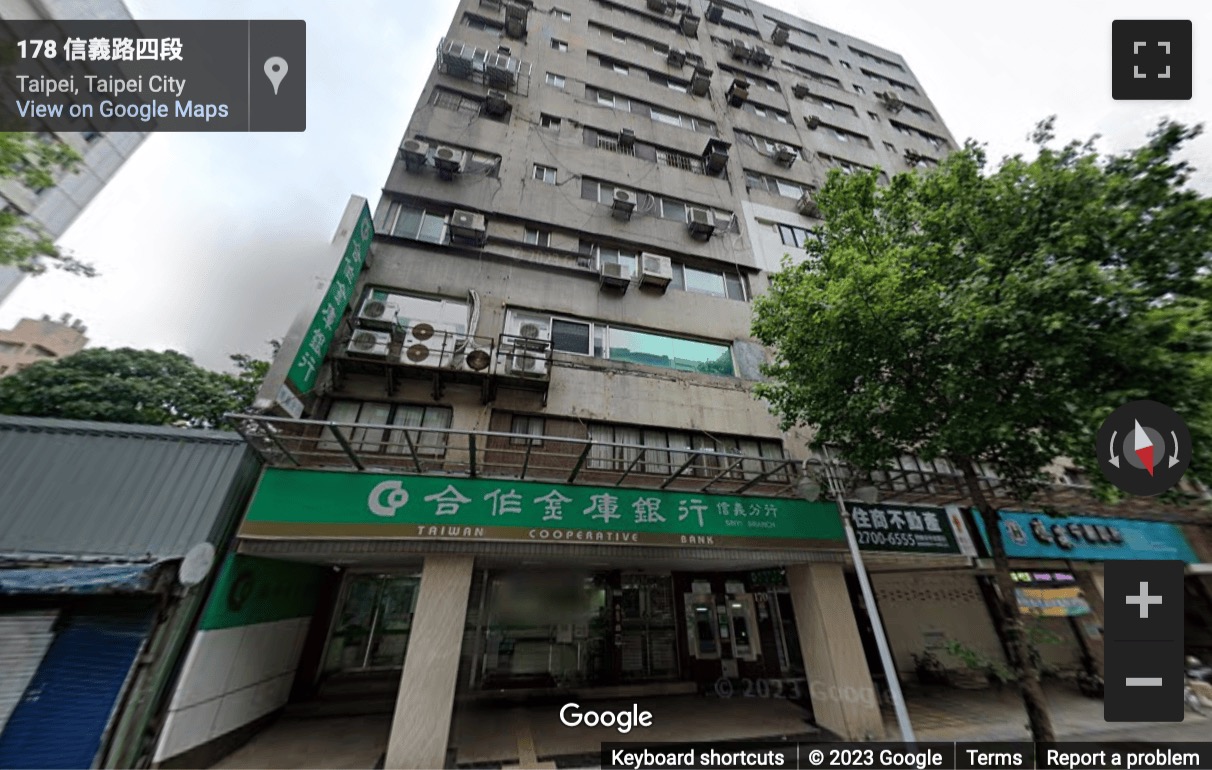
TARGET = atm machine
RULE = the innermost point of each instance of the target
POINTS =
(722, 627)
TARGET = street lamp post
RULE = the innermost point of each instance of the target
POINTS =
(877, 625)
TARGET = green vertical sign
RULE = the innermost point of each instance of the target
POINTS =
(315, 343)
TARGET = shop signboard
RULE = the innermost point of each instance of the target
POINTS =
(1088, 538)
(911, 529)
(325, 504)
(1049, 594)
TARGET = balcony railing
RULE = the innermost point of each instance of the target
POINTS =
(409, 449)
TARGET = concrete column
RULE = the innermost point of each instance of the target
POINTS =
(420, 729)
(844, 699)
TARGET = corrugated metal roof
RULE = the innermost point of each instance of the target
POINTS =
(75, 488)
(100, 579)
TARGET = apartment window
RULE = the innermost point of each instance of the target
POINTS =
(605, 99)
(545, 174)
(763, 143)
(833, 42)
(559, 45)
(549, 121)
(11, 347)
(560, 14)
(794, 236)
(845, 64)
(765, 112)
(784, 187)
(659, 451)
(612, 143)
(889, 147)
(453, 100)
(387, 418)
(481, 23)
(676, 159)
(405, 221)
(874, 117)
(540, 238)
(859, 89)
(527, 425)
(612, 256)
(555, 80)
(841, 137)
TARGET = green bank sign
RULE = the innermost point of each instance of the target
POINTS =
(314, 346)
(319, 504)
(251, 590)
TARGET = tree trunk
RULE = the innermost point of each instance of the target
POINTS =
(1022, 663)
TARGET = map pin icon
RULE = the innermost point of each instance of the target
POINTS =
(275, 70)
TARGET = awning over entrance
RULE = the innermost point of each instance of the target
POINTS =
(96, 579)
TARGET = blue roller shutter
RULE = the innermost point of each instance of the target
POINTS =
(64, 712)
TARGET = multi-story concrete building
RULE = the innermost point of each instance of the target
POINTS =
(38, 340)
(53, 209)
(542, 382)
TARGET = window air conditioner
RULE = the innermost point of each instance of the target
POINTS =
(700, 81)
(738, 92)
(457, 59)
(448, 160)
(501, 70)
(784, 155)
(415, 154)
(624, 204)
(715, 12)
(515, 20)
(700, 222)
(496, 103)
(676, 58)
(690, 24)
(715, 156)
(468, 356)
(468, 226)
(891, 101)
(422, 346)
(380, 310)
(655, 270)
(761, 56)
(627, 137)
(658, 6)
(528, 362)
(801, 90)
(615, 276)
(807, 205)
(368, 344)
(780, 35)
(813, 122)
(740, 49)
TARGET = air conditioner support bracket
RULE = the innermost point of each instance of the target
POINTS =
(437, 386)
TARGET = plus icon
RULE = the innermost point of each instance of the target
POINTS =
(1144, 599)
(1151, 59)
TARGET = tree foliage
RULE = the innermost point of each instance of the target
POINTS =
(33, 161)
(132, 386)
(999, 315)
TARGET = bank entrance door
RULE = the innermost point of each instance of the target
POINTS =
(373, 622)
(649, 640)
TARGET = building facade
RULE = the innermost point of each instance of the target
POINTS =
(536, 360)
(53, 209)
(45, 339)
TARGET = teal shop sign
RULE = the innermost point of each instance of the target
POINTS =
(315, 343)
(323, 504)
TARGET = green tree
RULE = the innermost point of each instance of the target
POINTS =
(33, 161)
(144, 387)
(996, 316)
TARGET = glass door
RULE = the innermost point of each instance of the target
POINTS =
(649, 633)
(373, 623)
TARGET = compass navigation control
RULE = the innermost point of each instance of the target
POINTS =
(1144, 448)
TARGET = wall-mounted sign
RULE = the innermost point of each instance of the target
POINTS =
(1044, 578)
(911, 528)
(301, 503)
(1052, 602)
(1089, 538)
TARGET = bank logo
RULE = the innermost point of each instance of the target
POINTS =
(387, 498)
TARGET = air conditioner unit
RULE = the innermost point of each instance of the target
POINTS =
(415, 154)
(367, 344)
(468, 356)
(655, 270)
(496, 103)
(759, 55)
(738, 92)
(784, 155)
(658, 6)
(700, 222)
(515, 20)
(715, 12)
(676, 58)
(457, 59)
(527, 361)
(627, 137)
(422, 346)
(807, 205)
(801, 90)
(715, 156)
(813, 122)
(468, 226)
(624, 204)
(448, 160)
(780, 35)
(891, 101)
(380, 309)
(740, 49)
(501, 70)
(700, 81)
(690, 24)
(615, 276)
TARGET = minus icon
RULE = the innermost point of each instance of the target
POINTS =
(1143, 681)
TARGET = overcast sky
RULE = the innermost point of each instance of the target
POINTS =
(206, 242)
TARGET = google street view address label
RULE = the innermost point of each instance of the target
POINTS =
(111, 76)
